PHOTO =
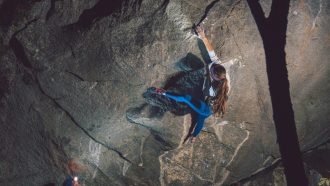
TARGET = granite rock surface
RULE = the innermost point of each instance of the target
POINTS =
(74, 77)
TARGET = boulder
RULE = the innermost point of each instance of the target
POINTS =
(75, 77)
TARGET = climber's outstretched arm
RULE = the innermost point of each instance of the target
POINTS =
(201, 34)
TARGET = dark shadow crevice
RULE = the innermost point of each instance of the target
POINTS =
(104, 8)
(19, 52)
(164, 4)
(12, 10)
(207, 10)
(51, 10)
(75, 75)
(18, 48)
(8, 11)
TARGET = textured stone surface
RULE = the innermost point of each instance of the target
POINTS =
(74, 76)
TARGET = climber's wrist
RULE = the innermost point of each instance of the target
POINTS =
(203, 38)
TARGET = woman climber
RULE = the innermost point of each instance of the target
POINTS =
(215, 90)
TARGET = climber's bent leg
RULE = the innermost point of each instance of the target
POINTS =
(204, 109)
(199, 125)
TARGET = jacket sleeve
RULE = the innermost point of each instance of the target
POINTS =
(214, 58)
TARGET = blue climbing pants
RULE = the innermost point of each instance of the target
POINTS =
(203, 111)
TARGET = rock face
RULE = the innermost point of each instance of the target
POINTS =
(74, 76)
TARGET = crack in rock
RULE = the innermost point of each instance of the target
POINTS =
(207, 10)
(21, 56)
(273, 165)
(132, 118)
(227, 172)
(79, 126)
(316, 146)
(25, 26)
(258, 172)
(75, 75)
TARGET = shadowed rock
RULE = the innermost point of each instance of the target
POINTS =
(86, 95)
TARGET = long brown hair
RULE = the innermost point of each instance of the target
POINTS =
(219, 106)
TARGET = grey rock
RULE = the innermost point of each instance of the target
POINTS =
(75, 89)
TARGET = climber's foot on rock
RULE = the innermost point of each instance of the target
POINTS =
(155, 97)
(160, 91)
